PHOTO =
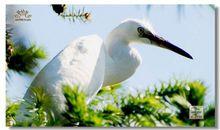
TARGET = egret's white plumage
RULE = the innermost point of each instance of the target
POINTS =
(91, 63)
(81, 63)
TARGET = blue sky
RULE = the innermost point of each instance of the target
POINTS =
(193, 31)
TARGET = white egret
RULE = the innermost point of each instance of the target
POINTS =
(91, 63)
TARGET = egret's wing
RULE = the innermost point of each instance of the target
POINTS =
(81, 63)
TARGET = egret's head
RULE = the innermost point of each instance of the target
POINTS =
(142, 32)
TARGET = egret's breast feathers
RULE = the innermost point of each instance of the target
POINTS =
(123, 66)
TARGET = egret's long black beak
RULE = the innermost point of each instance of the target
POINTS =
(159, 41)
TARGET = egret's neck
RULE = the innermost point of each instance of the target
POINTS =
(121, 59)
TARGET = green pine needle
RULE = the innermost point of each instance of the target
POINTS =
(25, 59)
(167, 106)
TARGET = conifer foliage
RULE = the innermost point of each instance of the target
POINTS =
(20, 58)
(166, 106)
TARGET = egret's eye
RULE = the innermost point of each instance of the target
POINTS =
(141, 31)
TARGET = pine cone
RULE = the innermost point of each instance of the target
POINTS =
(9, 50)
(87, 16)
(58, 8)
